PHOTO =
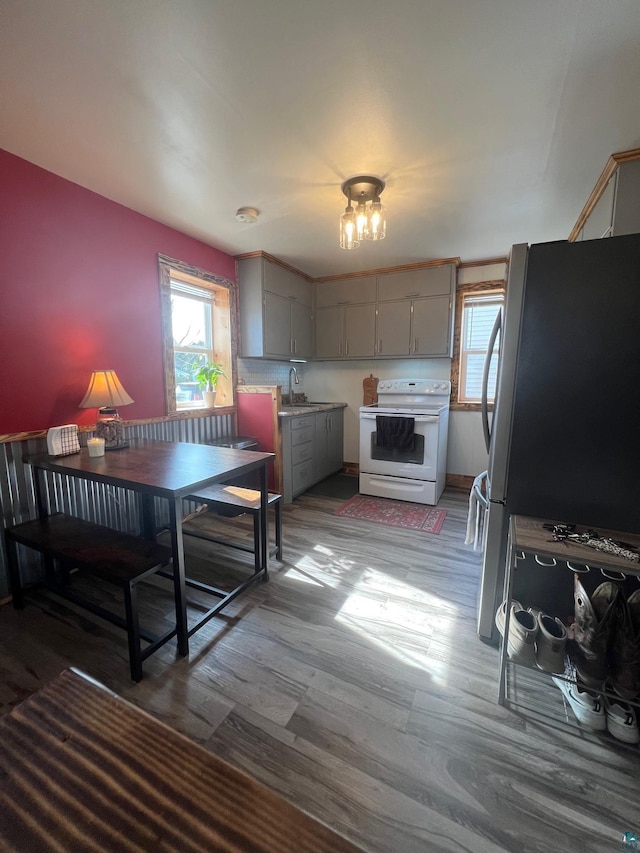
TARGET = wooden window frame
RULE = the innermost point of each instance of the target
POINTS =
(462, 291)
(225, 331)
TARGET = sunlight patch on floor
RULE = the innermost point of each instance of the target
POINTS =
(406, 623)
(320, 568)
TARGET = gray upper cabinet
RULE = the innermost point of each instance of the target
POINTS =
(346, 291)
(275, 311)
(415, 313)
(617, 211)
(432, 327)
(394, 328)
(412, 284)
(345, 318)
(346, 331)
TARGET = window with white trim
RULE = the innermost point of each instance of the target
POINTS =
(479, 310)
(192, 333)
(198, 312)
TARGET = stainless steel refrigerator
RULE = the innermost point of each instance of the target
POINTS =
(564, 439)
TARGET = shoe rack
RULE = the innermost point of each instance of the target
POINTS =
(540, 572)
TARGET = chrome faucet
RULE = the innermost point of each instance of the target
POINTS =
(297, 382)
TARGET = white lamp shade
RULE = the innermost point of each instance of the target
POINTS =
(105, 390)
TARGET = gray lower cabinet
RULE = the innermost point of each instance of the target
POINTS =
(328, 454)
(311, 449)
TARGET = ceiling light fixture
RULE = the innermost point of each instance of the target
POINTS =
(367, 221)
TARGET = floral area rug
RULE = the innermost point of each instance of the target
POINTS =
(410, 516)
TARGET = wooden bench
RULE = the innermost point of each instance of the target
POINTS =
(236, 500)
(117, 558)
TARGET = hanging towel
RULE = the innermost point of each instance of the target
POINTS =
(395, 433)
(475, 516)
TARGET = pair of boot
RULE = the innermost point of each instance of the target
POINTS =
(604, 641)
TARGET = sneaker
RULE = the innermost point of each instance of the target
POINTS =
(551, 641)
(523, 628)
(622, 721)
(588, 647)
(585, 704)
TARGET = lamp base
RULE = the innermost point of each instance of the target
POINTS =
(109, 426)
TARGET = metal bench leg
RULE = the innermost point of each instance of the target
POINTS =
(257, 539)
(133, 631)
(15, 582)
(277, 508)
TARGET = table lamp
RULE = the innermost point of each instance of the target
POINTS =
(105, 393)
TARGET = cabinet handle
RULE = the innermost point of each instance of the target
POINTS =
(415, 345)
(409, 295)
(346, 348)
(345, 302)
(340, 348)
(293, 298)
(295, 345)
(380, 345)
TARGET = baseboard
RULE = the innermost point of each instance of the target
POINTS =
(460, 481)
(351, 468)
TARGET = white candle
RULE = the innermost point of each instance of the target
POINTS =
(96, 446)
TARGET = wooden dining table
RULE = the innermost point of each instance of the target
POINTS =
(168, 470)
(81, 769)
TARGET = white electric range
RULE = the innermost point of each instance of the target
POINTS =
(403, 440)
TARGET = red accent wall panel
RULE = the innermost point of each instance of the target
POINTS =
(255, 418)
(79, 291)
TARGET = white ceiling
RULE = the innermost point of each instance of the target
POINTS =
(489, 120)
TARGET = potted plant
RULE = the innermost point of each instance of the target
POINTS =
(207, 377)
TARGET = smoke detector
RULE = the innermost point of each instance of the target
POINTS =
(247, 214)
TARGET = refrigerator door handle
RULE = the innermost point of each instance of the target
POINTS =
(485, 379)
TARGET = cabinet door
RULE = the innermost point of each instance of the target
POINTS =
(286, 283)
(360, 330)
(329, 333)
(394, 328)
(320, 466)
(301, 330)
(346, 291)
(277, 325)
(413, 284)
(328, 444)
(431, 327)
(335, 429)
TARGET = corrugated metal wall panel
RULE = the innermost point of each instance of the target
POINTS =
(114, 507)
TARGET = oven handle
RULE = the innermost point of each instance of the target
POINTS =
(419, 419)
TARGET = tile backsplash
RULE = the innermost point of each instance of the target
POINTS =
(253, 371)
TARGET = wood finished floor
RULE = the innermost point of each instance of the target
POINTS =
(354, 684)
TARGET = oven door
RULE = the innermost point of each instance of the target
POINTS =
(418, 462)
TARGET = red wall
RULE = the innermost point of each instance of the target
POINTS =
(79, 291)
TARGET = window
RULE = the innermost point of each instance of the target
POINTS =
(197, 312)
(477, 306)
(478, 316)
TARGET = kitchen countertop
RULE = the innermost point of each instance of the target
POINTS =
(308, 408)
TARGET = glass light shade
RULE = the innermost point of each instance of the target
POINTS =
(348, 229)
(361, 220)
(377, 224)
